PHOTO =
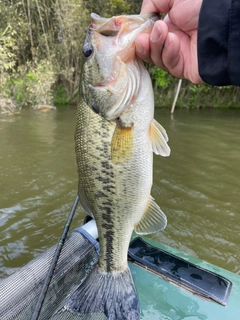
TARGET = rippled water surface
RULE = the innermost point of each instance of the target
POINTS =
(198, 186)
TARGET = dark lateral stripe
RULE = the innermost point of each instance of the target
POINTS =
(108, 227)
(109, 236)
(106, 179)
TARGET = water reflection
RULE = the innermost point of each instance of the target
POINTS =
(197, 186)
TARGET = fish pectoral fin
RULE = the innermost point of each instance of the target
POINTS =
(83, 201)
(153, 219)
(159, 139)
(122, 144)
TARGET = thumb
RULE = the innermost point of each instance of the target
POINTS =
(151, 6)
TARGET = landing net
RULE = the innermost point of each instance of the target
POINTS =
(19, 292)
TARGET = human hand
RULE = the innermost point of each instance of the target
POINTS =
(172, 44)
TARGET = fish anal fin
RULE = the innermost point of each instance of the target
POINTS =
(159, 139)
(122, 144)
(153, 219)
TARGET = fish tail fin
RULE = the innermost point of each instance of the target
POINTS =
(112, 294)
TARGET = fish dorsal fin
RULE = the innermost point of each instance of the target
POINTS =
(122, 144)
(84, 201)
(159, 139)
(153, 219)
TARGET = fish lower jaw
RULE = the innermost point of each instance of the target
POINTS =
(110, 86)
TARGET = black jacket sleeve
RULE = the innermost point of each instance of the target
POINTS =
(219, 42)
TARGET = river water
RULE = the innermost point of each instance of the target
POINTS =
(198, 186)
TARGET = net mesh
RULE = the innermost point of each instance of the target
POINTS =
(19, 292)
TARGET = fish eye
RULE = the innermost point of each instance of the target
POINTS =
(87, 51)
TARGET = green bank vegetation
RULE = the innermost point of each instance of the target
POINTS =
(40, 55)
(192, 95)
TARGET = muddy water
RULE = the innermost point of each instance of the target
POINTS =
(198, 186)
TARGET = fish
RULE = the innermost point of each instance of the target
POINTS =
(116, 135)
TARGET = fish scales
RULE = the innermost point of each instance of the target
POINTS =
(116, 136)
(111, 189)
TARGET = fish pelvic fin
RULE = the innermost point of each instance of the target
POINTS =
(153, 219)
(159, 139)
(110, 294)
(122, 143)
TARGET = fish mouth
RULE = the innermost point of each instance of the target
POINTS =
(119, 32)
(99, 23)
(114, 42)
(111, 27)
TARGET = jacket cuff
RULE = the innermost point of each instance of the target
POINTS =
(234, 44)
(214, 41)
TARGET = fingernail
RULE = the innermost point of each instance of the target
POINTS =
(139, 47)
(155, 33)
(168, 40)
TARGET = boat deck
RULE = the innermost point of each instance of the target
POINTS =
(161, 299)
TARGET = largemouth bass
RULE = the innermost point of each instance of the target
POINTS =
(116, 136)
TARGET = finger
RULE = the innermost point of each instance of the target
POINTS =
(157, 40)
(143, 47)
(150, 6)
(172, 57)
